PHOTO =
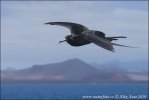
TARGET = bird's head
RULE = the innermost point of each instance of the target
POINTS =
(62, 41)
(65, 40)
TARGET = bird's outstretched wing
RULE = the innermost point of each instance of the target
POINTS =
(100, 41)
(74, 27)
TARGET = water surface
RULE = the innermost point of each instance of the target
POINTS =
(74, 91)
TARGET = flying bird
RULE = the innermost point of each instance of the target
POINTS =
(81, 35)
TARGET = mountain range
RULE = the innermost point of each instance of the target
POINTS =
(71, 71)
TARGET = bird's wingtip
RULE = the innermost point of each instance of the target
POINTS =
(49, 23)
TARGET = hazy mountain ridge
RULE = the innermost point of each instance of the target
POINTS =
(138, 65)
(73, 70)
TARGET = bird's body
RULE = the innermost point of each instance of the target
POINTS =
(76, 40)
(81, 35)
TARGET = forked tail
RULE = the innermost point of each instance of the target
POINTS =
(115, 38)
(123, 45)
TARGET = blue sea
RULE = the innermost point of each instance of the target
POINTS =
(134, 91)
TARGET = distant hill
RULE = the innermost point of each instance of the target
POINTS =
(70, 71)
(136, 70)
(138, 65)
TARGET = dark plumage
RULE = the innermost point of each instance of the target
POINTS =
(81, 35)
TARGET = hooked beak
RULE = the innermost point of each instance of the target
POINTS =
(62, 41)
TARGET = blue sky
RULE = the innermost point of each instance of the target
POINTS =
(26, 41)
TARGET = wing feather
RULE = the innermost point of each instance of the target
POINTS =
(74, 27)
(99, 41)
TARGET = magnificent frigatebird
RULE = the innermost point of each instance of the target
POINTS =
(81, 35)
